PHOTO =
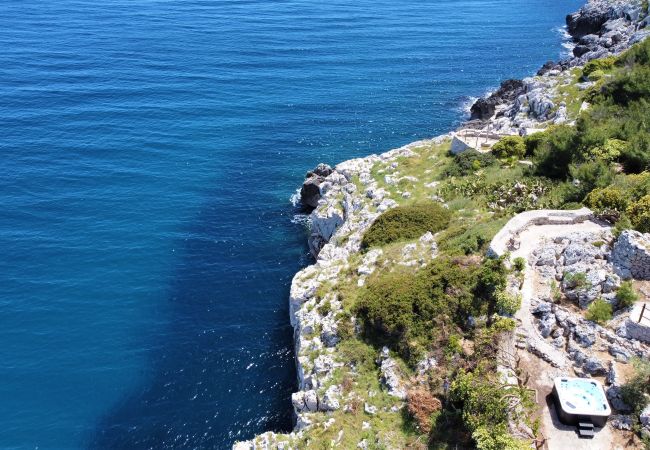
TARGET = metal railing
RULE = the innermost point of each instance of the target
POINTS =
(642, 315)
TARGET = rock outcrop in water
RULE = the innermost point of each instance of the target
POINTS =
(599, 29)
(484, 108)
(311, 190)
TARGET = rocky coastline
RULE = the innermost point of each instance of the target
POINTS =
(344, 200)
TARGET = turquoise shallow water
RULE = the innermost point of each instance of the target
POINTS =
(149, 151)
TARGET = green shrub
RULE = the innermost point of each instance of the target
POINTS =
(509, 146)
(507, 304)
(596, 75)
(599, 311)
(571, 206)
(576, 280)
(610, 151)
(519, 264)
(636, 391)
(636, 157)
(469, 162)
(639, 214)
(622, 224)
(601, 64)
(487, 406)
(609, 202)
(534, 141)
(590, 175)
(406, 222)
(626, 295)
(557, 152)
(402, 309)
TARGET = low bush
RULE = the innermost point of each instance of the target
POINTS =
(639, 214)
(519, 264)
(609, 202)
(421, 406)
(589, 176)
(405, 310)
(626, 295)
(596, 75)
(470, 161)
(509, 146)
(534, 141)
(406, 222)
(610, 150)
(507, 304)
(576, 280)
(595, 65)
(487, 407)
(556, 152)
(599, 311)
(636, 392)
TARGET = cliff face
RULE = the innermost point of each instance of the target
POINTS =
(351, 196)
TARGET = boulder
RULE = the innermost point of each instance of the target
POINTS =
(484, 108)
(616, 400)
(586, 21)
(310, 192)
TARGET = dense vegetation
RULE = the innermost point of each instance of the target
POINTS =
(406, 222)
(455, 308)
(595, 162)
(407, 312)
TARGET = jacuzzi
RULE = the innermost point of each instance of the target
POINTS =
(580, 399)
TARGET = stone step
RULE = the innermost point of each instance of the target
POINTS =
(586, 425)
(585, 433)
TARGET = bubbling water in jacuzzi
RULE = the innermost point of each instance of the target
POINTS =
(582, 394)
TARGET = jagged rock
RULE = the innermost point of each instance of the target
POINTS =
(305, 401)
(542, 309)
(612, 375)
(391, 376)
(484, 108)
(584, 336)
(310, 193)
(331, 398)
(619, 353)
(559, 342)
(583, 22)
(329, 335)
(644, 417)
(594, 366)
(547, 67)
(546, 325)
(370, 409)
(621, 422)
(616, 400)
(580, 50)
(547, 257)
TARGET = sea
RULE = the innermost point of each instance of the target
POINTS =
(149, 151)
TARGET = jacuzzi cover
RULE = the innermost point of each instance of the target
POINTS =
(582, 396)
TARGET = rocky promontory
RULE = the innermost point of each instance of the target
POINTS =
(345, 200)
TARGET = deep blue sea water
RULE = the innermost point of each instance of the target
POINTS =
(149, 150)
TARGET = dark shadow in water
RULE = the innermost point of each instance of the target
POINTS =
(222, 369)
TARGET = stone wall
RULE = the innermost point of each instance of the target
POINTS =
(506, 239)
(631, 255)
(634, 328)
